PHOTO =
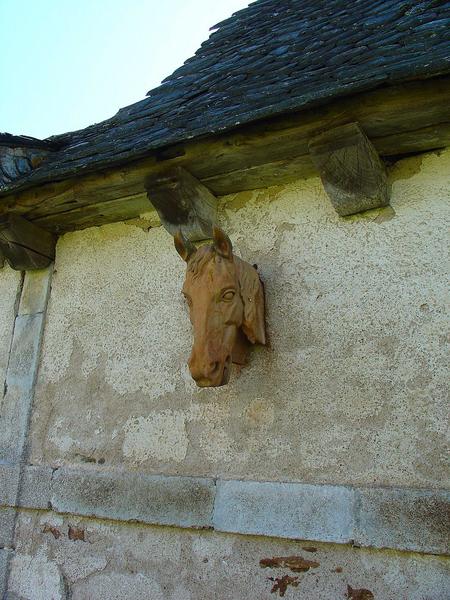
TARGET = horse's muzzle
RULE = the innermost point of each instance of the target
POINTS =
(213, 374)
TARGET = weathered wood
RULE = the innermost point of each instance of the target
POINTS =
(279, 172)
(68, 214)
(97, 214)
(2, 260)
(412, 117)
(415, 140)
(183, 203)
(351, 170)
(24, 244)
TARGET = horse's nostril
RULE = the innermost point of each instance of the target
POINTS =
(203, 371)
(213, 368)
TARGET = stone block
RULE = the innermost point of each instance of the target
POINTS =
(180, 501)
(7, 524)
(288, 510)
(34, 484)
(35, 488)
(35, 292)
(417, 520)
(24, 351)
(20, 377)
(9, 484)
(5, 556)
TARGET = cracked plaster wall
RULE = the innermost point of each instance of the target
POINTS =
(351, 390)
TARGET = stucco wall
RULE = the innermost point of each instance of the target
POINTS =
(9, 286)
(350, 390)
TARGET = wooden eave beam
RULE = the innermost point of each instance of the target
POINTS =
(412, 117)
(25, 245)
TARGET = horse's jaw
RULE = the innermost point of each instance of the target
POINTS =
(241, 348)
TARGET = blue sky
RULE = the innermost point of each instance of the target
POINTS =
(65, 64)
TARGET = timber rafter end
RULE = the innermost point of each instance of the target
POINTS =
(183, 203)
(24, 245)
(351, 170)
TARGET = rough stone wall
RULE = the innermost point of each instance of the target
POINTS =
(101, 560)
(350, 389)
(9, 287)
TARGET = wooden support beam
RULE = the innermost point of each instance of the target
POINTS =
(25, 245)
(95, 214)
(183, 203)
(351, 170)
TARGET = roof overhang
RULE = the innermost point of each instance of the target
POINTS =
(398, 120)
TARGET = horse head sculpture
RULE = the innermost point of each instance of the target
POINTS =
(226, 304)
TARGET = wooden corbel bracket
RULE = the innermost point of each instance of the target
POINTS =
(352, 173)
(25, 245)
(183, 203)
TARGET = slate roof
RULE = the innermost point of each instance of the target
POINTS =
(273, 57)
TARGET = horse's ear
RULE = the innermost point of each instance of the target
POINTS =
(252, 294)
(184, 247)
(222, 243)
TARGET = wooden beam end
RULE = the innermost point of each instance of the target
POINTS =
(352, 173)
(183, 203)
(25, 245)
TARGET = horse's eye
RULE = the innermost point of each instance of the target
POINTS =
(228, 295)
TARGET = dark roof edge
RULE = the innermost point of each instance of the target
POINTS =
(26, 141)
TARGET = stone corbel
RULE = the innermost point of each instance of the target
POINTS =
(25, 245)
(183, 203)
(352, 173)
